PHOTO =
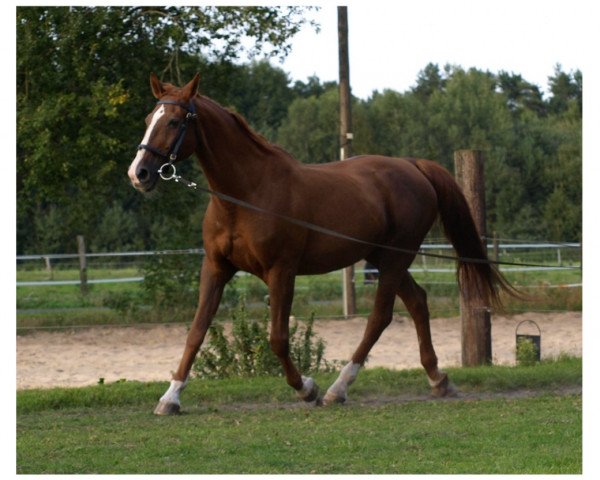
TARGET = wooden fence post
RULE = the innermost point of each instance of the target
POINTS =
(49, 267)
(82, 264)
(476, 337)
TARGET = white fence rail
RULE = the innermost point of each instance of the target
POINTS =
(200, 251)
(48, 258)
(63, 256)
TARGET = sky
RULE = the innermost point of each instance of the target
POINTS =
(391, 42)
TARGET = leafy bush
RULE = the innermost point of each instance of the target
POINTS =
(123, 302)
(248, 352)
(527, 352)
(171, 281)
(117, 231)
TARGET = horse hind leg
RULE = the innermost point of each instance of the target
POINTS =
(281, 291)
(415, 300)
(379, 319)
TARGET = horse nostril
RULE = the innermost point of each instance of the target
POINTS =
(142, 174)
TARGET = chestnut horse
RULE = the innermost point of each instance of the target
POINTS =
(383, 201)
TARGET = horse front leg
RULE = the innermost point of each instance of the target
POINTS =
(281, 294)
(213, 279)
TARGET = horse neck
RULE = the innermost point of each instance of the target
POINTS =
(235, 160)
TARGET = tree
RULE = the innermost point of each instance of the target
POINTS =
(262, 95)
(222, 32)
(429, 80)
(82, 93)
(566, 88)
(388, 119)
(312, 87)
(471, 110)
(520, 94)
(310, 131)
(116, 231)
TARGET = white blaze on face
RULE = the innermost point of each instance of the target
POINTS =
(134, 165)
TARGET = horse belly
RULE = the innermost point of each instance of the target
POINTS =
(326, 260)
(324, 253)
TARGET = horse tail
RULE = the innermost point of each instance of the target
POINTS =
(475, 274)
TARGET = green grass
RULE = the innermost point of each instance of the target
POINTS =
(379, 382)
(70, 296)
(256, 426)
(538, 435)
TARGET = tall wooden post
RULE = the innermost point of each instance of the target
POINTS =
(349, 292)
(82, 264)
(475, 315)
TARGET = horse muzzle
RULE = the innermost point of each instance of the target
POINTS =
(142, 178)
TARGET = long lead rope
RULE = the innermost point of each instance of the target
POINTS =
(172, 175)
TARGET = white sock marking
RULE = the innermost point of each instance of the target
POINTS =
(346, 377)
(439, 378)
(172, 394)
(308, 384)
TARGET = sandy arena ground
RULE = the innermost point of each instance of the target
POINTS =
(80, 357)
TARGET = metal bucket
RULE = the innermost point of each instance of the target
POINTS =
(535, 339)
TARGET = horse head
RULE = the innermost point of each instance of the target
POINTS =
(167, 136)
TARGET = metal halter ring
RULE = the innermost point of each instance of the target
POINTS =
(166, 176)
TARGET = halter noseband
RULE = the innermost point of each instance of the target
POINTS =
(171, 154)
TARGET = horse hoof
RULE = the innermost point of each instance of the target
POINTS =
(332, 398)
(166, 408)
(444, 389)
(309, 391)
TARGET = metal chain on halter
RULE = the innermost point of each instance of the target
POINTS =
(172, 175)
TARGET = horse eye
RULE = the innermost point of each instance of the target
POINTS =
(173, 122)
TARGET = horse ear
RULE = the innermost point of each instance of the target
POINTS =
(156, 85)
(191, 88)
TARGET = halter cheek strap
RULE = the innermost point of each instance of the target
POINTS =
(171, 155)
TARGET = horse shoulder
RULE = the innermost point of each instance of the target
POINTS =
(217, 230)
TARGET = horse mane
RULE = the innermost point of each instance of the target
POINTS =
(256, 137)
(248, 130)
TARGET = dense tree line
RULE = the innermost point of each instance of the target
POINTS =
(82, 95)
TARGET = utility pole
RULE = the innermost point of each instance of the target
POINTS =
(345, 138)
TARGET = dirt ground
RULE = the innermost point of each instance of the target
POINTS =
(81, 357)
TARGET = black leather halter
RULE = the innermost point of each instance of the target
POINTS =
(171, 154)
